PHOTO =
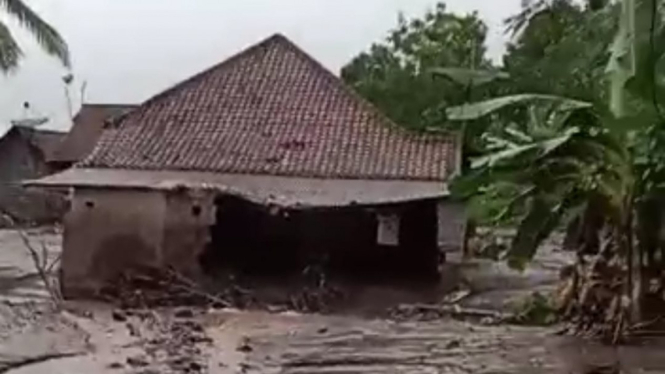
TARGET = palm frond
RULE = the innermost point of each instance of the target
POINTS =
(10, 51)
(474, 111)
(47, 37)
(470, 77)
(530, 8)
(544, 214)
(537, 149)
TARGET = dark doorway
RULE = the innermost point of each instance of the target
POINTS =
(252, 239)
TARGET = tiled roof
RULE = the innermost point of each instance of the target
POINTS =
(88, 126)
(271, 110)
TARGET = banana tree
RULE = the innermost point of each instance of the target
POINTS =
(565, 158)
(469, 80)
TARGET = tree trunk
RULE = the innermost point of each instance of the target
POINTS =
(633, 284)
(649, 223)
(469, 233)
(583, 233)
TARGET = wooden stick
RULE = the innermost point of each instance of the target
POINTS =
(7, 367)
(456, 310)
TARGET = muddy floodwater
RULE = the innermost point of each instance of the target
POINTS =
(97, 338)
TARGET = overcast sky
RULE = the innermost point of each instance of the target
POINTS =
(129, 50)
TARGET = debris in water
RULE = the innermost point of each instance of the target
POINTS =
(453, 344)
(244, 346)
(603, 369)
(116, 365)
(184, 313)
(145, 288)
(137, 361)
(426, 312)
(119, 316)
(457, 296)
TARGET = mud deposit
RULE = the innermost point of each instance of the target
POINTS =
(247, 342)
(98, 338)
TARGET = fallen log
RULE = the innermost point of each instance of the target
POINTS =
(453, 311)
(10, 365)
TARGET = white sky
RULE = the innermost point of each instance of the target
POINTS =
(129, 50)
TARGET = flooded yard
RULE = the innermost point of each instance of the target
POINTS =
(98, 338)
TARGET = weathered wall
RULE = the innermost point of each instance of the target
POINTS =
(110, 230)
(451, 224)
(20, 161)
(189, 215)
(107, 231)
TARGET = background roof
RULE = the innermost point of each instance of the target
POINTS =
(88, 127)
(47, 141)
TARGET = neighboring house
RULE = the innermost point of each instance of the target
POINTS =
(88, 126)
(26, 153)
(266, 162)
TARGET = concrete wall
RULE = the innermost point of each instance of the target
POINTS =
(107, 231)
(189, 215)
(20, 161)
(451, 224)
(110, 230)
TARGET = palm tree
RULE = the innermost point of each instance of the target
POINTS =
(47, 37)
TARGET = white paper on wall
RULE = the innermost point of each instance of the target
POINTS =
(388, 229)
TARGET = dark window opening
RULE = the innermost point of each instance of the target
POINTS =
(89, 204)
(196, 210)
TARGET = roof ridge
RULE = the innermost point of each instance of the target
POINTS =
(36, 130)
(288, 43)
(337, 81)
(110, 104)
(224, 63)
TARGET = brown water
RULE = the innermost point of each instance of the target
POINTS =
(292, 344)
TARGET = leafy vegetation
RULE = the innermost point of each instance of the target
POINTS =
(560, 47)
(572, 159)
(570, 133)
(396, 74)
(535, 310)
(47, 37)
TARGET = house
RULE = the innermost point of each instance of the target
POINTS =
(26, 153)
(88, 125)
(264, 162)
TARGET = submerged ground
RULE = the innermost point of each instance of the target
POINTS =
(97, 338)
